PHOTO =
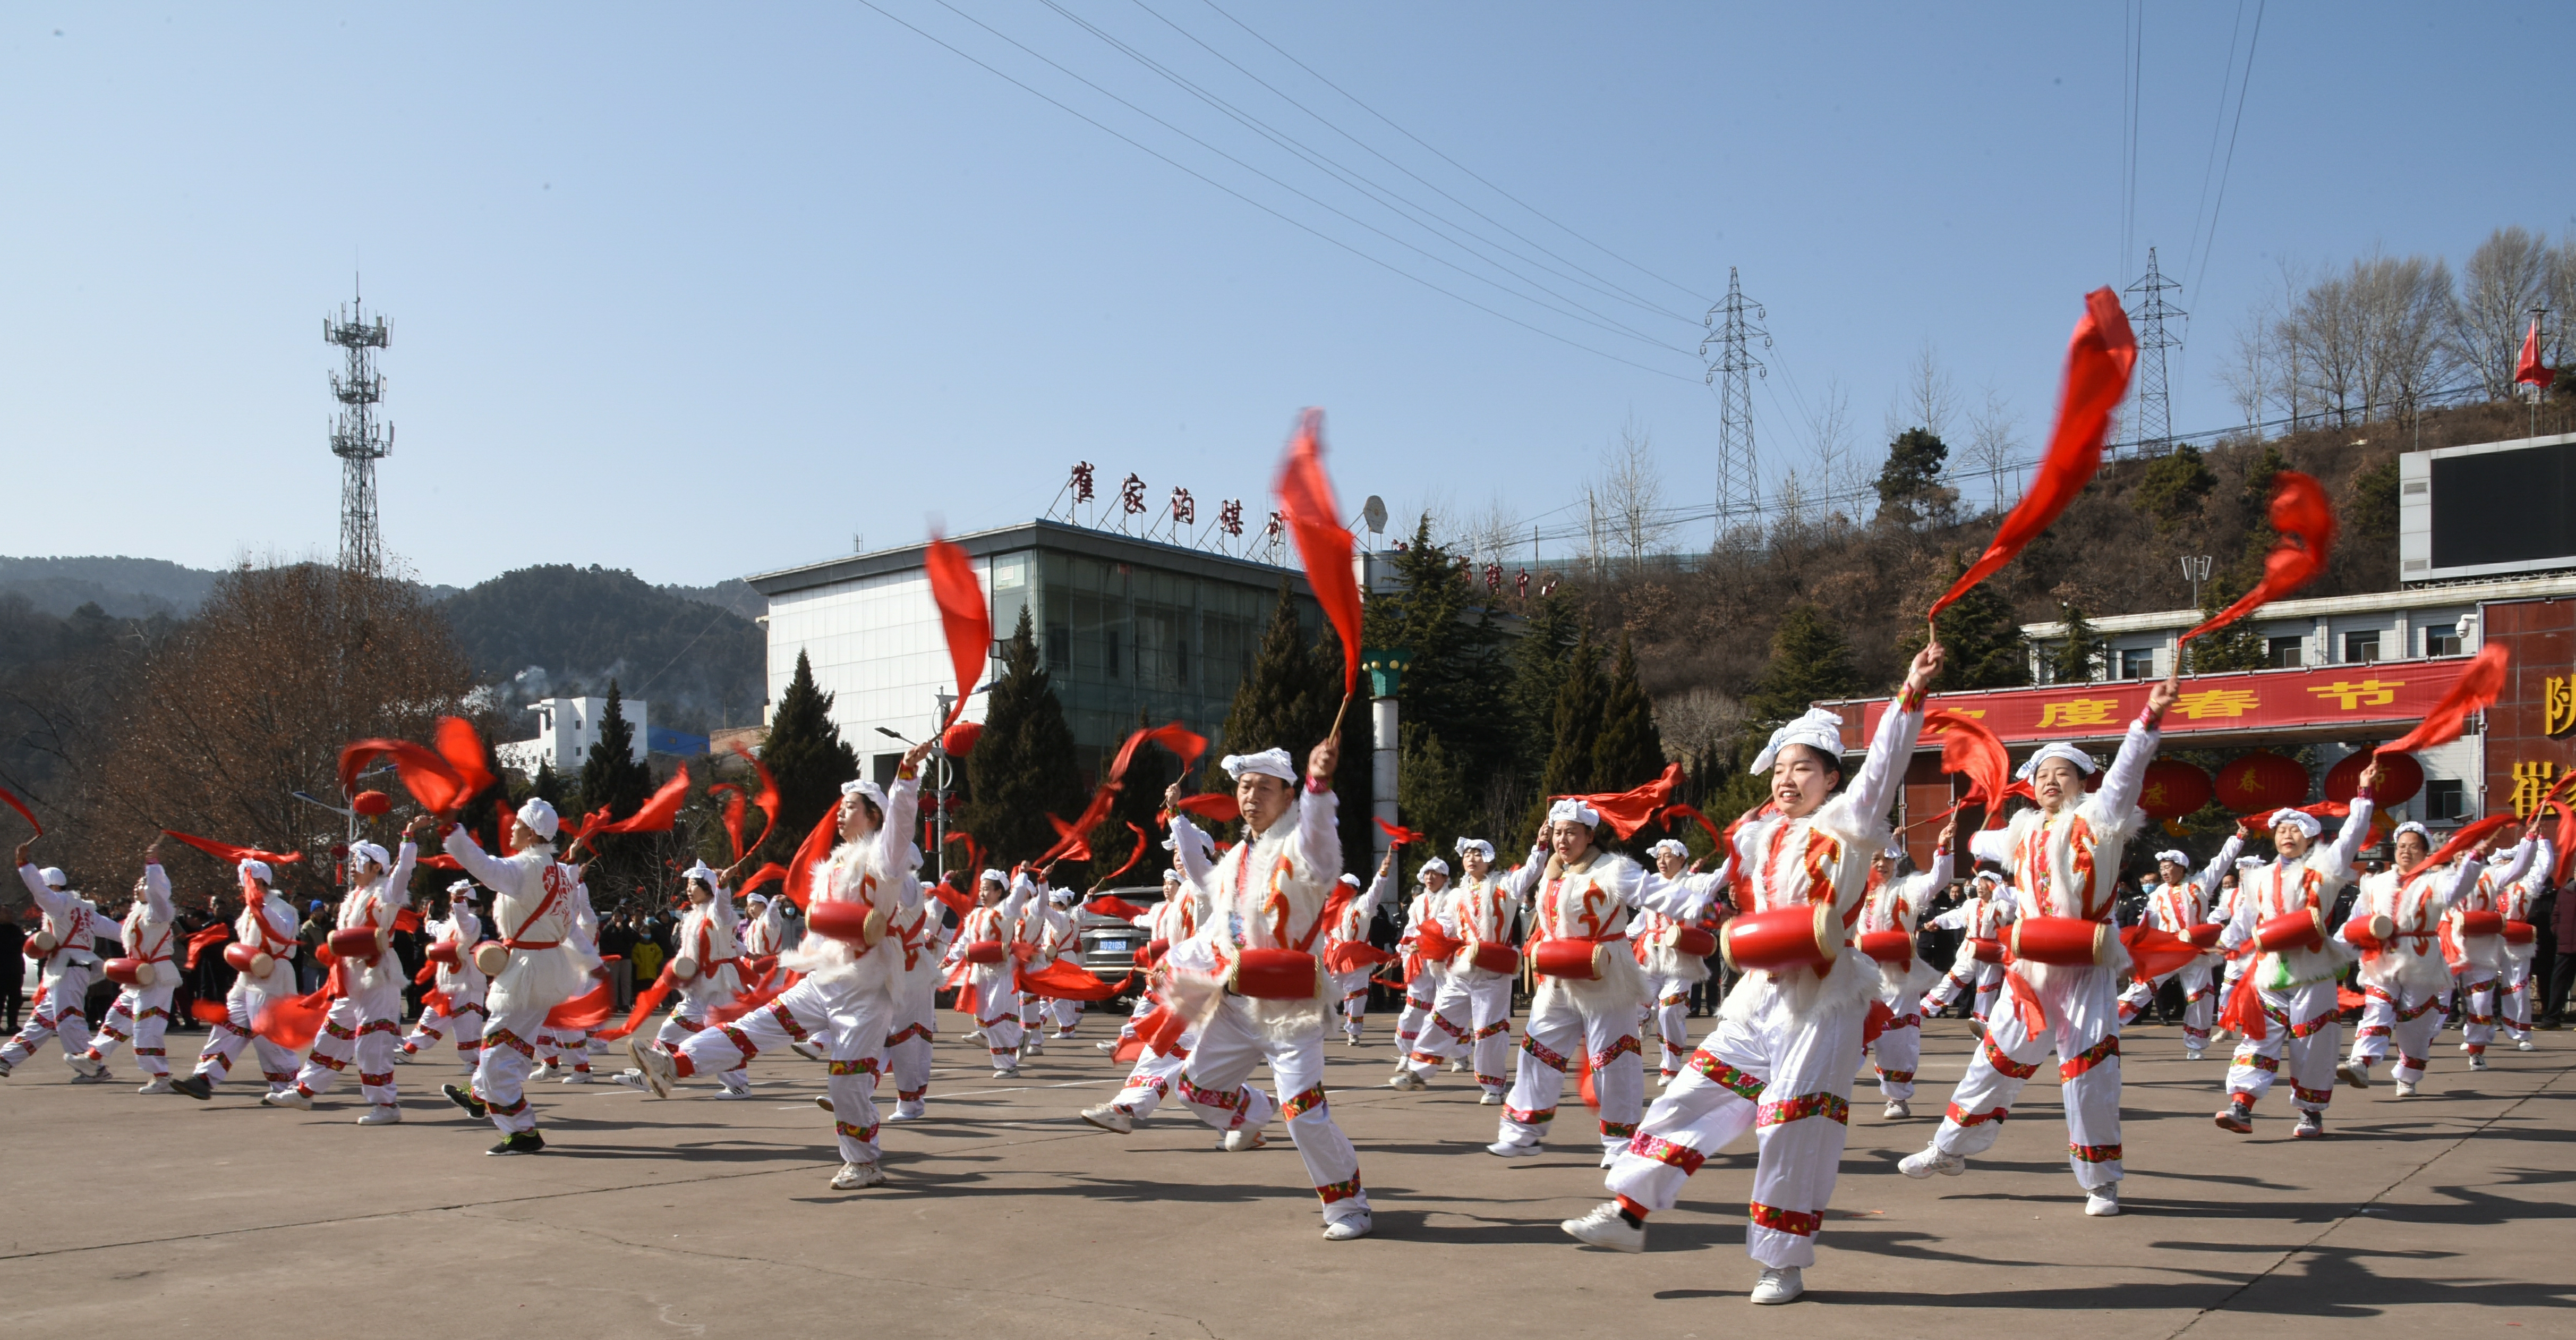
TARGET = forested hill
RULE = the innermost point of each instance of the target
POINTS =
(698, 664)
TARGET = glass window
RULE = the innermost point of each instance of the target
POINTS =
(2445, 798)
(2442, 641)
(2361, 648)
(885, 765)
(2280, 652)
(2137, 663)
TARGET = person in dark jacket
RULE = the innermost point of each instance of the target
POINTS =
(13, 965)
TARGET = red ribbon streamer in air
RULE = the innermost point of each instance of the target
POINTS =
(816, 846)
(2461, 841)
(1071, 842)
(1397, 834)
(1109, 905)
(21, 807)
(2306, 522)
(463, 750)
(1628, 811)
(1306, 504)
(1692, 813)
(964, 616)
(433, 783)
(2479, 686)
(226, 851)
(2098, 362)
(1214, 806)
(657, 814)
(1972, 751)
(1133, 856)
(767, 800)
(732, 812)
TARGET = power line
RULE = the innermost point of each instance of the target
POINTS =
(1256, 204)
(2244, 82)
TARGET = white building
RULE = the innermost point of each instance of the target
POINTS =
(566, 730)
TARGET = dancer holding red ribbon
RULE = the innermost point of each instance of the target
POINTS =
(706, 972)
(263, 959)
(2285, 1005)
(2476, 944)
(2179, 905)
(990, 948)
(2396, 924)
(1470, 986)
(1887, 925)
(1780, 1061)
(455, 1000)
(365, 1019)
(1351, 987)
(2067, 962)
(147, 975)
(534, 966)
(1674, 951)
(1981, 920)
(64, 949)
(1425, 975)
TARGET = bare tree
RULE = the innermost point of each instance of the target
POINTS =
(2252, 368)
(1839, 477)
(2555, 348)
(2509, 274)
(2405, 304)
(1492, 534)
(1993, 438)
(1695, 722)
(1631, 494)
(1929, 399)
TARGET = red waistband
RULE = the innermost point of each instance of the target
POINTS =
(530, 944)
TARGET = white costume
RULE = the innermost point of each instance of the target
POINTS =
(2404, 981)
(1983, 915)
(1781, 1058)
(1052, 930)
(2479, 965)
(455, 1000)
(62, 972)
(2515, 899)
(996, 984)
(266, 924)
(764, 928)
(365, 1019)
(2296, 988)
(143, 1012)
(1472, 1007)
(1574, 1017)
(1897, 905)
(532, 897)
(1150, 1081)
(706, 942)
(2177, 909)
(558, 1043)
(1671, 974)
(1424, 978)
(1352, 988)
(914, 1024)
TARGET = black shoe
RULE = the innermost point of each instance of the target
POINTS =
(524, 1142)
(195, 1086)
(474, 1107)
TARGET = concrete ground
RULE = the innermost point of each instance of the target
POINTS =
(159, 1216)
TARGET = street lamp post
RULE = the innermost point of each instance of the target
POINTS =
(1385, 667)
(2195, 570)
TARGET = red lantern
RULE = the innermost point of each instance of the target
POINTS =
(2262, 781)
(371, 803)
(2173, 789)
(2400, 777)
(959, 740)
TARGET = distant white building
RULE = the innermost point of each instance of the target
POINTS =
(566, 730)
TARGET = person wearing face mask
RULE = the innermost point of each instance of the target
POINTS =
(2293, 980)
(1781, 1059)
(1675, 953)
(142, 1008)
(2396, 924)
(2064, 861)
(2178, 905)
(1472, 1007)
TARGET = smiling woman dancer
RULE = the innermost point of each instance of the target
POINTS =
(1781, 1060)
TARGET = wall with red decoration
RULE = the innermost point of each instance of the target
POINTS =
(2541, 634)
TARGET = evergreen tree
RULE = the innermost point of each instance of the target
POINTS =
(1456, 659)
(1539, 662)
(2171, 488)
(2073, 660)
(1909, 485)
(1580, 701)
(1982, 636)
(1629, 751)
(1810, 662)
(1431, 796)
(548, 786)
(1024, 766)
(807, 756)
(1136, 803)
(612, 775)
(2237, 646)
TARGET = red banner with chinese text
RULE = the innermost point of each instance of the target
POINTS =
(2380, 699)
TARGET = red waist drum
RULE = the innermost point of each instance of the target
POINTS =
(2482, 923)
(2303, 929)
(1983, 951)
(1895, 947)
(2205, 935)
(858, 924)
(1690, 941)
(986, 951)
(1578, 960)
(248, 959)
(445, 951)
(1277, 974)
(2520, 932)
(2067, 941)
(1803, 936)
(1496, 957)
(129, 972)
(357, 944)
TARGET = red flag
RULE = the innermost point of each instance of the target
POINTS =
(964, 616)
(201, 941)
(658, 813)
(732, 812)
(1109, 906)
(1306, 504)
(2243, 1014)
(1628, 811)
(463, 750)
(431, 780)
(1972, 751)
(2306, 522)
(2098, 362)
(1690, 812)
(1070, 844)
(225, 851)
(407, 919)
(21, 807)
(816, 846)
(2528, 368)
(2153, 953)
(1396, 833)
(2478, 686)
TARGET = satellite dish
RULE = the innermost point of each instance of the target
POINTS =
(1374, 513)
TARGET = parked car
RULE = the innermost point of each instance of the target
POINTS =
(1109, 944)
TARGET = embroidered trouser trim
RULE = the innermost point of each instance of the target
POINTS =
(1560, 1023)
(1223, 1057)
(358, 1027)
(58, 1014)
(1472, 1015)
(225, 1040)
(1899, 1051)
(2083, 1009)
(2409, 1025)
(141, 1014)
(2301, 1031)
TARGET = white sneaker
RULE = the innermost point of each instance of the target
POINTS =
(2192, 1053)
(1109, 1117)
(1032, 1049)
(809, 1051)
(972, 1035)
(1897, 1110)
(1343, 1230)
(1244, 1139)
(1006, 1072)
(1457, 1067)
(301, 1102)
(404, 1056)
(1778, 1285)
(1605, 1227)
(1406, 1081)
(95, 1069)
(653, 1066)
(2524, 1045)
(912, 1111)
(382, 1115)
(2478, 1062)
(857, 1176)
(632, 1079)
(1507, 1149)
(2354, 1073)
(577, 1077)
(1610, 1154)
(159, 1084)
(1925, 1162)
(1107, 1048)
(731, 1094)
(1490, 1100)
(824, 1101)
(2103, 1201)
(2405, 1089)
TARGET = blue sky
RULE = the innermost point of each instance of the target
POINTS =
(703, 293)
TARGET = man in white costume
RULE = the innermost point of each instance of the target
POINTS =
(848, 991)
(2480, 958)
(1052, 933)
(364, 1022)
(455, 1001)
(1670, 973)
(64, 949)
(142, 1008)
(1165, 924)
(2515, 900)
(1982, 916)
(562, 1047)
(2396, 925)
(992, 941)
(2178, 905)
(707, 965)
(534, 963)
(2295, 987)
(2064, 861)
(914, 1024)
(1426, 973)
(1894, 906)
(1268, 900)
(1351, 988)
(1473, 1005)
(265, 946)
(1781, 1058)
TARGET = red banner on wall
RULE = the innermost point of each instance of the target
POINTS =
(2378, 699)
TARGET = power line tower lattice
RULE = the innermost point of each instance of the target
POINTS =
(356, 437)
(2152, 433)
(1739, 490)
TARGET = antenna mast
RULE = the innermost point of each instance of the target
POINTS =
(1739, 490)
(356, 437)
(2148, 310)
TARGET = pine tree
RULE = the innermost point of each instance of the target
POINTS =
(1982, 636)
(2237, 646)
(612, 776)
(1430, 797)
(1629, 751)
(1580, 700)
(1285, 700)
(1024, 766)
(1810, 662)
(1909, 485)
(1539, 662)
(2073, 660)
(807, 756)
(548, 786)
(1456, 659)
(1136, 803)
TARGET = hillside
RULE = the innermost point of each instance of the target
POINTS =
(562, 630)
(125, 588)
